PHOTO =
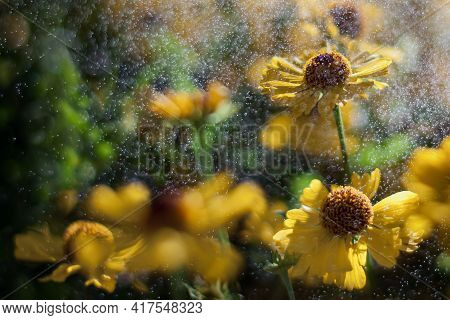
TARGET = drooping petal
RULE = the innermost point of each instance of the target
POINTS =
(355, 278)
(281, 240)
(61, 273)
(384, 245)
(104, 282)
(118, 260)
(212, 260)
(38, 245)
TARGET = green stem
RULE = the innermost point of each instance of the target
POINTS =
(287, 283)
(341, 133)
(224, 239)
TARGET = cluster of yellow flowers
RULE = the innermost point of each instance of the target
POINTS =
(125, 230)
(334, 228)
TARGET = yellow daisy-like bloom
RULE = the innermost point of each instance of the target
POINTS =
(312, 134)
(190, 105)
(429, 176)
(87, 248)
(322, 80)
(333, 231)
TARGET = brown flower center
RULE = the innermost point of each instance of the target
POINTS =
(327, 70)
(347, 18)
(346, 211)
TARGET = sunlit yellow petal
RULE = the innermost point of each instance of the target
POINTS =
(367, 183)
(315, 195)
(372, 67)
(384, 245)
(395, 208)
(61, 273)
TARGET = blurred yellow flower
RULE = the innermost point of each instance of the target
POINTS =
(322, 79)
(333, 231)
(216, 203)
(88, 248)
(129, 203)
(310, 133)
(176, 227)
(190, 105)
(344, 23)
(261, 229)
(351, 19)
(428, 175)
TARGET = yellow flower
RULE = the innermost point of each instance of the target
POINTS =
(128, 203)
(176, 227)
(167, 250)
(190, 105)
(429, 176)
(337, 19)
(261, 229)
(321, 80)
(88, 248)
(344, 23)
(333, 231)
(215, 203)
(310, 133)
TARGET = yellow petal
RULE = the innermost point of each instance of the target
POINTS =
(394, 209)
(213, 261)
(384, 245)
(416, 228)
(38, 245)
(118, 260)
(368, 183)
(315, 195)
(338, 260)
(105, 282)
(165, 250)
(281, 240)
(372, 67)
(356, 277)
(218, 184)
(276, 134)
(103, 203)
(286, 65)
(61, 273)
(303, 217)
(304, 240)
